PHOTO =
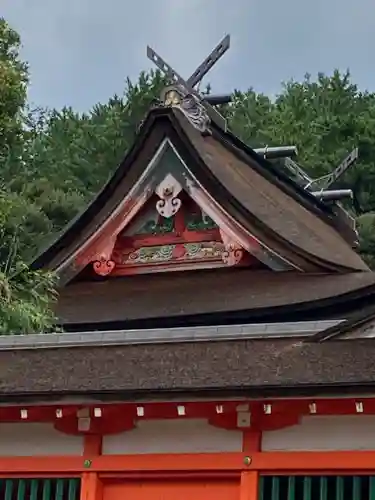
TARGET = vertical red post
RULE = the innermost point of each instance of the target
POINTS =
(251, 443)
(249, 485)
(91, 486)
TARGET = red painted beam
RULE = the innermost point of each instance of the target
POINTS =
(264, 415)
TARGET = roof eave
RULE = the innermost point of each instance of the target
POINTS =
(244, 392)
(46, 255)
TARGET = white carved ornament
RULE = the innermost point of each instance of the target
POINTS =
(168, 190)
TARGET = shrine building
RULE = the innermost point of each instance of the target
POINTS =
(217, 330)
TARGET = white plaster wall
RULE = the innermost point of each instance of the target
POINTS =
(173, 436)
(324, 433)
(30, 439)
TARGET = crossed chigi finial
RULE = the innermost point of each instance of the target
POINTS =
(196, 77)
(326, 183)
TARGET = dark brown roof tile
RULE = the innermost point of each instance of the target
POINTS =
(274, 208)
(249, 365)
(200, 292)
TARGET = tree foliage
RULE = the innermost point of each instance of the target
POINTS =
(54, 161)
(25, 296)
(325, 118)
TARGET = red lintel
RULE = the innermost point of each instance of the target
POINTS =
(265, 415)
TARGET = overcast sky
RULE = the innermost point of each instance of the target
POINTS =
(80, 51)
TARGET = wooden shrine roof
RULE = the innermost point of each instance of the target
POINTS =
(260, 199)
(286, 217)
(312, 273)
(248, 367)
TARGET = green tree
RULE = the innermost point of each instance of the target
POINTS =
(25, 296)
(25, 301)
(70, 156)
(13, 88)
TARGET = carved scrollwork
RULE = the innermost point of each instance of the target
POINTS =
(233, 252)
(167, 190)
(195, 112)
(102, 261)
(103, 266)
(189, 104)
(168, 206)
(232, 255)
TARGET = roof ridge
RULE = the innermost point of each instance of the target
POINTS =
(327, 213)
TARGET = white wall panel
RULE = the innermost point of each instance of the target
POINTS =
(323, 433)
(28, 439)
(173, 436)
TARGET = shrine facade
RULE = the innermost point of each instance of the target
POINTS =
(215, 330)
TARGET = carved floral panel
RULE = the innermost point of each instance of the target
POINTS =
(184, 252)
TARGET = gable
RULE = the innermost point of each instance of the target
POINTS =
(188, 238)
(170, 160)
(166, 229)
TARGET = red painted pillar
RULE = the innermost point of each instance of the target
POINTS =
(251, 443)
(91, 486)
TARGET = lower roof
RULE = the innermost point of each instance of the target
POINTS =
(206, 297)
(251, 367)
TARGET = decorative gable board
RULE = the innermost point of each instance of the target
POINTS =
(154, 242)
(168, 222)
(151, 223)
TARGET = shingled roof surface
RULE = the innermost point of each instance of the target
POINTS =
(214, 292)
(276, 213)
(254, 367)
